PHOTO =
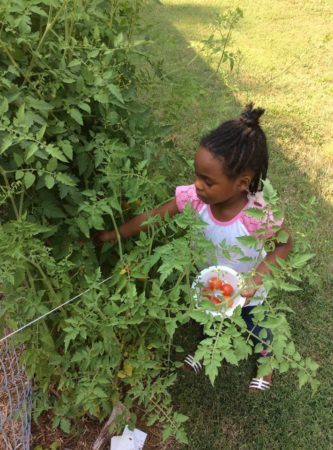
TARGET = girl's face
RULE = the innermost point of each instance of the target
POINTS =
(213, 186)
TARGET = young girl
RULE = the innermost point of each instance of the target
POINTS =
(229, 165)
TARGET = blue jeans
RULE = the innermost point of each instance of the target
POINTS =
(255, 329)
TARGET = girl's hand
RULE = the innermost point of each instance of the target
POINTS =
(103, 236)
(251, 288)
(248, 294)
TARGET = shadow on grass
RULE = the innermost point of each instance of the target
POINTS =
(227, 416)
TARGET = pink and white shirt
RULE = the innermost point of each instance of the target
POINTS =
(227, 232)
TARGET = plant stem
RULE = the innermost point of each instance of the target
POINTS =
(3, 173)
(117, 234)
(164, 413)
(44, 278)
(21, 202)
(48, 28)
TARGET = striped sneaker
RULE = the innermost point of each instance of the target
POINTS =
(259, 384)
(189, 364)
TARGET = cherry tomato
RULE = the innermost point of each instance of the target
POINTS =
(215, 300)
(227, 289)
(206, 292)
(215, 283)
(125, 205)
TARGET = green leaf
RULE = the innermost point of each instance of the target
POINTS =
(65, 425)
(29, 179)
(116, 92)
(6, 143)
(37, 10)
(282, 237)
(84, 107)
(74, 63)
(257, 213)
(65, 179)
(3, 106)
(170, 327)
(258, 348)
(39, 105)
(167, 432)
(21, 113)
(55, 152)
(31, 150)
(269, 193)
(303, 378)
(264, 369)
(67, 148)
(288, 287)
(83, 225)
(314, 385)
(40, 133)
(181, 418)
(102, 97)
(212, 371)
(115, 203)
(100, 393)
(230, 356)
(248, 241)
(19, 174)
(312, 365)
(284, 367)
(76, 115)
(52, 165)
(153, 418)
(290, 348)
(49, 181)
(52, 210)
(299, 261)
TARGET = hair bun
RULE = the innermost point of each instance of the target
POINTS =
(251, 116)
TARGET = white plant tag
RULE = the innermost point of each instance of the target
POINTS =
(138, 436)
(122, 443)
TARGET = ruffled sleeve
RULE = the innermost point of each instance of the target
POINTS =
(185, 195)
(266, 223)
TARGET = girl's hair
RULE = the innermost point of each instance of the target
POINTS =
(241, 144)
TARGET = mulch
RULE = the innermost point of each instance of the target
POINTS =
(87, 432)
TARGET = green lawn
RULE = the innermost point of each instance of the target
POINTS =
(287, 49)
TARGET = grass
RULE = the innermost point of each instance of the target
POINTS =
(286, 68)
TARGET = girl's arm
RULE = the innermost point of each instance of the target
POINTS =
(134, 225)
(282, 251)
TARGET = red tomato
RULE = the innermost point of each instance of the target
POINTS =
(215, 300)
(206, 292)
(227, 289)
(215, 283)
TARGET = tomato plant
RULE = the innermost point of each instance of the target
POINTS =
(77, 149)
(78, 153)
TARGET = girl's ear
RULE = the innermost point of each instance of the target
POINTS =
(244, 182)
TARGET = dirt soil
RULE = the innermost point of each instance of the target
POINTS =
(88, 430)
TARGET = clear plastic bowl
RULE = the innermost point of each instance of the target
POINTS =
(227, 275)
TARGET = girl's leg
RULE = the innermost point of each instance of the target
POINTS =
(188, 363)
(257, 383)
